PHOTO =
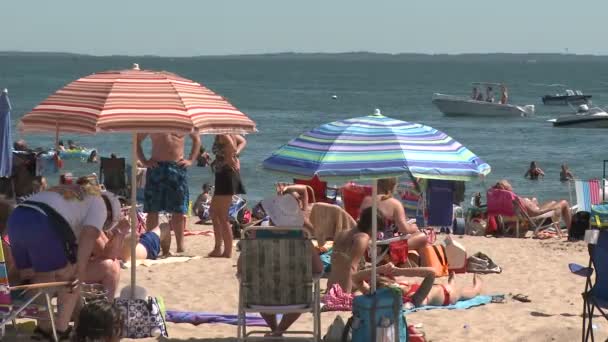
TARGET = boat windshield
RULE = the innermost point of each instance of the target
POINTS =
(595, 110)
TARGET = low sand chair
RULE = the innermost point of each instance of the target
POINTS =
(352, 197)
(10, 310)
(588, 193)
(596, 290)
(276, 277)
(319, 190)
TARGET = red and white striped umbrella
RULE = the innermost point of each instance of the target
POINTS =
(136, 101)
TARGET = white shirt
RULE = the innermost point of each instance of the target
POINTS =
(91, 211)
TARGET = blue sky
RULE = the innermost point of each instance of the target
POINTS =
(191, 27)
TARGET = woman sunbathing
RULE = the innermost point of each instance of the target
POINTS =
(561, 208)
(116, 243)
(416, 295)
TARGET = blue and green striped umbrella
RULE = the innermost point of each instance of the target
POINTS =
(376, 146)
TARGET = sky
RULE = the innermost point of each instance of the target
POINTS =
(223, 27)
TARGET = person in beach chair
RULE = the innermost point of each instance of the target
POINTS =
(533, 211)
(112, 174)
(595, 295)
(417, 295)
(263, 286)
(396, 222)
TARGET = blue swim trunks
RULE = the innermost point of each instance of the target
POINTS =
(166, 189)
(151, 242)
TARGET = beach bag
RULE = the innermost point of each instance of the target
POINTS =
(456, 255)
(143, 318)
(377, 317)
(599, 215)
(476, 227)
(434, 256)
(580, 223)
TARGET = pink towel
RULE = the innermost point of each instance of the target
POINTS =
(337, 300)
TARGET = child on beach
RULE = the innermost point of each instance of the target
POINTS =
(116, 243)
(201, 205)
(534, 172)
(99, 321)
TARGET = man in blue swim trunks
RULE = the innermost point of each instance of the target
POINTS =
(166, 179)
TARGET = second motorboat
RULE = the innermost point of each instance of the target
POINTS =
(584, 118)
(479, 104)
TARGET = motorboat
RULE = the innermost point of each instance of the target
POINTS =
(585, 117)
(570, 97)
(477, 105)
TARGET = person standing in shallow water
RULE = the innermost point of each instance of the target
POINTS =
(166, 186)
(534, 172)
(226, 167)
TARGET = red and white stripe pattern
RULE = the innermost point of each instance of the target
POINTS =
(136, 101)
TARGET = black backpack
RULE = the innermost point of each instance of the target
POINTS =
(580, 223)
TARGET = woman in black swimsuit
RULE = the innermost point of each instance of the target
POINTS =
(226, 166)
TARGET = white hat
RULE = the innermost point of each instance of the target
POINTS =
(115, 204)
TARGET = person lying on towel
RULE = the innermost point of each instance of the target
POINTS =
(117, 243)
(425, 293)
(561, 208)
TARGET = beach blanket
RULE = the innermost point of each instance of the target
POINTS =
(169, 260)
(196, 318)
(463, 304)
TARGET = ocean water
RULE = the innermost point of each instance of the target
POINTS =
(287, 96)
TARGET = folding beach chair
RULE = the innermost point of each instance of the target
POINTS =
(319, 189)
(596, 290)
(507, 206)
(276, 278)
(588, 193)
(11, 310)
(352, 197)
(112, 174)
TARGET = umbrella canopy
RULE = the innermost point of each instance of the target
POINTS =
(6, 139)
(136, 100)
(376, 146)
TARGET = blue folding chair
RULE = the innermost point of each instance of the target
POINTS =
(596, 290)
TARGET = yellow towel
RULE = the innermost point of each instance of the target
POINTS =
(328, 220)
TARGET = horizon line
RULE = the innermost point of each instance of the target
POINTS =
(363, 52)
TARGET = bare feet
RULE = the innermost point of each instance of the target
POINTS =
(215, 253)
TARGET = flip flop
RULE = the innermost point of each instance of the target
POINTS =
(521, 298)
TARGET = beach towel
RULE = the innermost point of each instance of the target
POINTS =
(461, 305)
(337, 300)
(169, 260)
(328, 220)
(587, 193)
(196, 318)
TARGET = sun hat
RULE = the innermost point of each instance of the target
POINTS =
(114, 201)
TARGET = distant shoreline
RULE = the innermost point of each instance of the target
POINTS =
(348, 56)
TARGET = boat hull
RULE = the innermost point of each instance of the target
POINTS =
(459, 106)
(565, 100)
(588, 122)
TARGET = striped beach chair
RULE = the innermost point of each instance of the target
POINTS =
(10, 310)
(276, 278)
(588, 193)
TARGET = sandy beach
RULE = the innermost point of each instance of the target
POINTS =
(538, 269)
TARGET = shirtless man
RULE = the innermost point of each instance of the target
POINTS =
(166, 179)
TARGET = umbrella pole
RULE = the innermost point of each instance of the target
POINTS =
(374, 231)
(133, 212)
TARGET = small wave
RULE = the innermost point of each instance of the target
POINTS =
(549, 85)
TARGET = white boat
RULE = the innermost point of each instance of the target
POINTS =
(459, 105)
(584, 118)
